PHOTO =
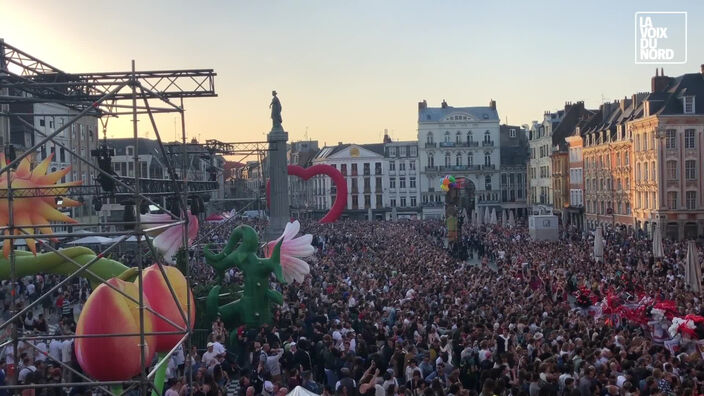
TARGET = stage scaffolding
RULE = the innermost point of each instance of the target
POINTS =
(25, 79)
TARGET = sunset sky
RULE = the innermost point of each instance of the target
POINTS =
(345, 71)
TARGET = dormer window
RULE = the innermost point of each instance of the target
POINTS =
(688, 102)
(512, 133)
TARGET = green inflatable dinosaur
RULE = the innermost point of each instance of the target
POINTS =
(254, 306)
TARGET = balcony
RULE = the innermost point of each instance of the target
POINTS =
(488, 167)
(447, 144)
(488, 143)
(430, 145)
(432, 168)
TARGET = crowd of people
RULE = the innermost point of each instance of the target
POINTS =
(387, 310)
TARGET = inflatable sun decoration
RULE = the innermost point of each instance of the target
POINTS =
(34, 212)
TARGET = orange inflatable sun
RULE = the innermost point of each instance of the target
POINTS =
(34, 212)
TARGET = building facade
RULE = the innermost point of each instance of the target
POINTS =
(365, 169)
(515, 153)
(463, 142)
(668, 153)
(540, 164)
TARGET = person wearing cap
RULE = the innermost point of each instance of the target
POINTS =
(210, 355)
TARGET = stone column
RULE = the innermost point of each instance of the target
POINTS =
(278, 179)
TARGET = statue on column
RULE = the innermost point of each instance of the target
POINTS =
(275, 107)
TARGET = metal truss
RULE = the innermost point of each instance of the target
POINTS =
(27, 79)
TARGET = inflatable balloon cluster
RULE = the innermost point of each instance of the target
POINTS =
(448, 182)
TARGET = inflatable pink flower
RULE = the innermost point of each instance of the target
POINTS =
(292, 250)
(169, 240)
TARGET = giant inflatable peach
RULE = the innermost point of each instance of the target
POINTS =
(161, 300)
(108, 312)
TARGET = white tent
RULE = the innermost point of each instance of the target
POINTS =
(692, 271)
(598, 245)
(493, 218)
(301, 391)
(504, 218)
(487, 216)
(657, 243)
(511, 219)
(91, 240)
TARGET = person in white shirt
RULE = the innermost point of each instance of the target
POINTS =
(209, 355)
(218, 347)
(66, 353)
(40, 354)
(55, 350)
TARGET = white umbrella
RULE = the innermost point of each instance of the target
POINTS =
(504, 218)
(511, 220)
(487, 216)
(493, 218)
(598, 245)
(91, 240)
(692, 271)
(657, 243)
(480, 216)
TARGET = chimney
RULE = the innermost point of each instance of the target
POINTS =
(443, 104)
(605, 111)
(492, 104)
(660, 82)
(387, 139)
(422, 105)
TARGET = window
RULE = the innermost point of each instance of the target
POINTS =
(402, 166)
(130, 150)
(645, 142)
(430, 137)
(354, 169)
(691, 197)
(670, 136)
(402, 182)
(377, 168)
(412, 182)
(628, 208)
(392, 183)
(413, 201)
(367, 202)
(469, 136)
(448, 161)
(343, 169)
(487, 183)
(672, 170)
(671, 199)
(378, 184)
(458, 138)
(470, 159)
(367, 170)
(512, 133)
(639, 177)
(447, 137)
(618, 159)
(645, 171)
(403, 202)
(378, 201)
(42, 122)
(487, 136)
(690, 169)
(414, 151)
(652, 171)
(637, 143)
(431, 160)
(393, 202)
(628, 184)
(688, 104)
(355, 201)
(626, 159)
(412, 165)
(487, 159)
(652, 140)
(367, 184)
(689, 138)
(458, 159)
